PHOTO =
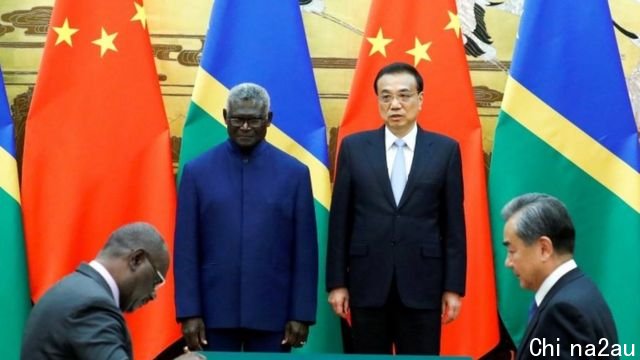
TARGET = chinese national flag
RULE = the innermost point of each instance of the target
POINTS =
(97, 151)
(427, 35)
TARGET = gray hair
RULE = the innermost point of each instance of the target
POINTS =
(137, 235)
(249, 92)
(541, 215)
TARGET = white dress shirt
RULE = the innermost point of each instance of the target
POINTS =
(108, 278)
(409, 148)
(553, 278)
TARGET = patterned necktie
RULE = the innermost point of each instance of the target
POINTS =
(533, 309)
(398, 172)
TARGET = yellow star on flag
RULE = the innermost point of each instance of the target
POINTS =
(65, 32)
(378, 44)
(454, 23)
(419, 52)
(140, 15)
(106, 42)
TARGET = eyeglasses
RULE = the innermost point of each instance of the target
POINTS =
(251, 121)
(403, 97)
(158, 279)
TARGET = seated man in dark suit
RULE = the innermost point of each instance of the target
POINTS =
(80, 317)
(568, 312)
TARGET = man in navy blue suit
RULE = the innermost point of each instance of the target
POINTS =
(397, 251)
(246, 256)
(568, 311)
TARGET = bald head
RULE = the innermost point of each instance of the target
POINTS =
(138, 235)
(137, 258)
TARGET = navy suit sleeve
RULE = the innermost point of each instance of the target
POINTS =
(305, 262)
(340, 222)
(186, 261)
(98, 333)
(453, 227)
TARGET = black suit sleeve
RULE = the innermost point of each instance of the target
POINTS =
(453, 226)
(340, 220)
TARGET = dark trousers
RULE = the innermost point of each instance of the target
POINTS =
(245, 340)
(413, 331)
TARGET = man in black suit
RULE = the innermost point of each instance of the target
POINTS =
(397, 253)
(80, 317)
(568, 311)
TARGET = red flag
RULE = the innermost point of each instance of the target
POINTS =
(427, 35)
(97, 151)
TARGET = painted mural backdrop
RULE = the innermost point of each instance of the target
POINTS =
(334, 29)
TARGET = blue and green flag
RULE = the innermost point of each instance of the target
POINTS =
(264, 42)
(14, 286)
(566, 128)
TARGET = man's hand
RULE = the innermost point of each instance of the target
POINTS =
(194, 334)
(451, 303)
(339, 300)
(295, 333)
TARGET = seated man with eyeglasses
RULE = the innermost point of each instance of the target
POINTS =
(80, 317)
(246, 250)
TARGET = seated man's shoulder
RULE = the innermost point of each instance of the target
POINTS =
(76, 289)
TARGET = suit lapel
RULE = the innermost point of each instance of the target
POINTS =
(378, 162)
(565, 279)
(421, 155)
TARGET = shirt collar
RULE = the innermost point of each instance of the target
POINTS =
(108, 278)
(553, 278)
(409, 139)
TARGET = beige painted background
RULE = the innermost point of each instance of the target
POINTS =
(334, 31)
